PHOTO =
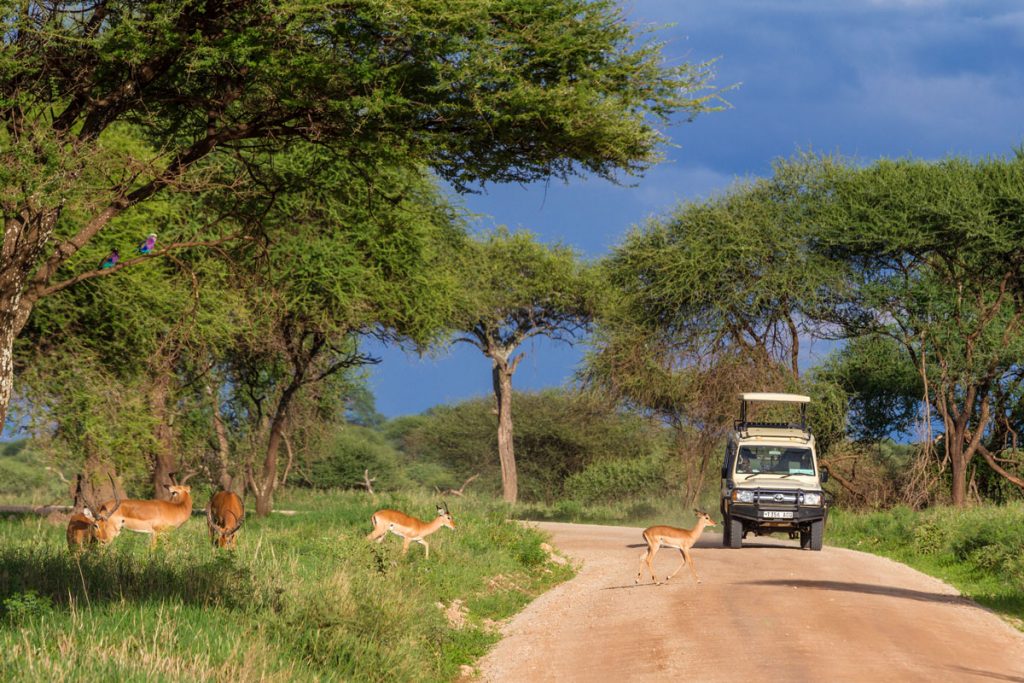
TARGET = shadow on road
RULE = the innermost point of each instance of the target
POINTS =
(994, 675)
(865, 588)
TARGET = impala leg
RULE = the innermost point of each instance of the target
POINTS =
(683, 561)
(689, 561)
(643, 558)
(405, 545)
(425, 545)
(650, 562)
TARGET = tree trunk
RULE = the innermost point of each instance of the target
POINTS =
(263, 487)
(164, 461)
(7, 335)
(958, 471)
(501, 375)
(225, 479)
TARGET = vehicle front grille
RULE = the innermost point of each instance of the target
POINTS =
(775, 497)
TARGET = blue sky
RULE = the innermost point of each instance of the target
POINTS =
(864, 78)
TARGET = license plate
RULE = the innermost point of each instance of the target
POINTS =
(777, 514)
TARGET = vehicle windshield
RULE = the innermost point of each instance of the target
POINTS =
(774, 460)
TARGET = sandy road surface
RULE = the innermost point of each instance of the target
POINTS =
(766, 612)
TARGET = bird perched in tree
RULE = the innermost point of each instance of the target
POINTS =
(111, 260)
(147, 246)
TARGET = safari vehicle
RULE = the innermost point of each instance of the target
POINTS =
(771, 481)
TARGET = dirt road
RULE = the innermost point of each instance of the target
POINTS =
(768, 611)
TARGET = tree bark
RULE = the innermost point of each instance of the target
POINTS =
(164, 461)
(225, 479)
(263, 486)
(501, 375)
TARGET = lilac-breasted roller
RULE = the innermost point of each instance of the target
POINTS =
(147, 246)
(111, 260)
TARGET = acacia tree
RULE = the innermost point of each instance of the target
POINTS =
(350, 255)
(104, 366)
(512, 288)
(931, 256)
(707, 302)
(482, 91)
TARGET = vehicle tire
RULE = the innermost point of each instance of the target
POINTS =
(817, 534)
(726, 536)
(805, 538)
(735, 532)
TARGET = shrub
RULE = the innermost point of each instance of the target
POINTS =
(349, 454)
(611, 480)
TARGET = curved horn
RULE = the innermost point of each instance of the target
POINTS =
(209, 518)
(117, 500)
(241, 520)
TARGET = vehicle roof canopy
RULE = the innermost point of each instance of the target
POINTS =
(775, 398)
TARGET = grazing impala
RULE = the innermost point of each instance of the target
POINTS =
(671, 537)
(91, 527)
(224, 516)
(153, 516)
(409, 528)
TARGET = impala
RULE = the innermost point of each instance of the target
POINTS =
(224, 516)
(153, 516)
(409, 528)
(90, 527)
(671, 537)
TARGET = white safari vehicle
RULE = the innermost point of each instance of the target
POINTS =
(771, 481)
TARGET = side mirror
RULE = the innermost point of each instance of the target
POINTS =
(824, 475)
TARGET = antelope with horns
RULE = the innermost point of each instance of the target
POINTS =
(224, 516)
(409, 528)
(89, 526)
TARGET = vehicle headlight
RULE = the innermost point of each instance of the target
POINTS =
(812, 499)
(743, 496)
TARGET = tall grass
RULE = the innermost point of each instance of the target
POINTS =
(304, 598)
(979, 550)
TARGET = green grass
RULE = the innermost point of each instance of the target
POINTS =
(304, 598)
(979, 550)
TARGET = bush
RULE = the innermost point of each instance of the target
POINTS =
(349, 454)
(611, 480)
(557, 435)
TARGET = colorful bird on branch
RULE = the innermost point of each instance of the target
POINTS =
(112, 258)
(148, 245)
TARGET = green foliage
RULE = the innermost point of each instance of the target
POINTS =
(351, 451)
(304, 597)
(884, 388)
(23, 475)
(20, 607)
(558, 434)
(610, 480)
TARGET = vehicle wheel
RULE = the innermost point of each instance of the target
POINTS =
(817, 534)
(726, 536)
(735, 533)
(805, 538)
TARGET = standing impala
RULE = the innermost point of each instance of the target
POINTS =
(409, 528)
(671, 537)
(153, 516)
(224, 517)
(91, 527)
